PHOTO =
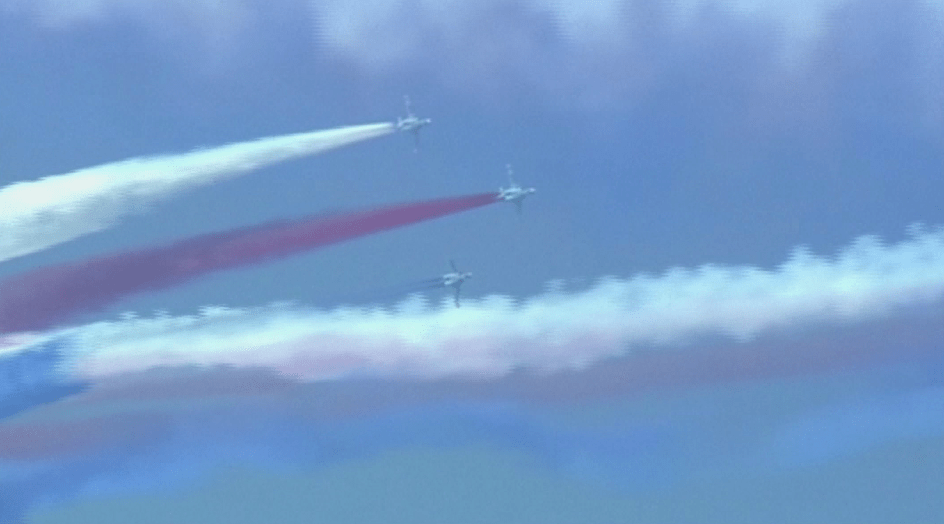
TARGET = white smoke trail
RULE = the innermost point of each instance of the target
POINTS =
(492, 336)
(40, 214)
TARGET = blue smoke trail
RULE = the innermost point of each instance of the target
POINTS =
(389, 294)
(279, 435)
(170, 445)
(852, 428)
(34, 377)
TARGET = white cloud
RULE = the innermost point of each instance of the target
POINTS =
(378, 33)
(360, 29)
(62, 14)
(585, 52)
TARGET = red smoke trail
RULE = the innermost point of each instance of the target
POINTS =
(41, 298)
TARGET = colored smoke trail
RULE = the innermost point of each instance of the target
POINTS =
(142, 446)
(43, 297)
(33, 377)
(39, 214)
(494, 336)
(210, 415)
(855, 426)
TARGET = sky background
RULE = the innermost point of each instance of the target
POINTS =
(696, 132)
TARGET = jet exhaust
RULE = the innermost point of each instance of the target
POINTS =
(39, 214)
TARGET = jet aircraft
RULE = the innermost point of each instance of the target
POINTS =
(514, 193)
(455, 279)
(411, 123)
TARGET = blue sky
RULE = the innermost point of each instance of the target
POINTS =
(704, 132)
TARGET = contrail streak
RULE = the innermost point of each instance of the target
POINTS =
(40, 298)
(495, 335)
(39, 214)
(387, 294)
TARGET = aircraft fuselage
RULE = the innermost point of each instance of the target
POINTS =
(511, 194)
(454, 279)
(411, 123)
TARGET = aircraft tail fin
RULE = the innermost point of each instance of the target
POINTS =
(511, 175)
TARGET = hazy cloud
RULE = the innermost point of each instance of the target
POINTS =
(577, 53)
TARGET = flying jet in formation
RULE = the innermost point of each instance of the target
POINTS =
(455, 279)
(411, 123)
(514, 193)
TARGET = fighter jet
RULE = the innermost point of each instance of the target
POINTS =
(411, 123)
(514, 193)
(455, 279)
